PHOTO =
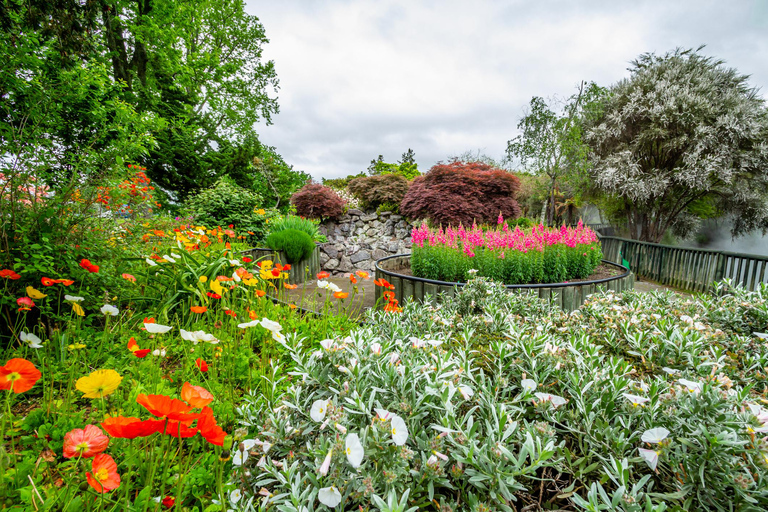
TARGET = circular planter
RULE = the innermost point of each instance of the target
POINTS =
(568, 296)
(299, 271)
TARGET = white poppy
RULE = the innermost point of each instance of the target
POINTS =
(235, 277)
(555, 400)
(240, 456)
(333, 288)
(399, 430)
(383, 414)
(650, 456)
(197, 336)
(175, 255)
(655, 435)
(699, 326)
(150, 262)
(354, 450)
(329, 496)
(376, 348)
(74, 298)
(326, 465)
(327, 344)
(528, 385)
(318, 410)
(252, 323)
(157, 328)
(159, 352)
(323, 284)
(692, 386)
(466, 392)
(110, 310)
(670, 371)
(235, 496)
(270, 325)
(472, 271)
(636, 400)
(168, 258)
(435, 343)
(278, 337)
(31, 340)
(234, 263)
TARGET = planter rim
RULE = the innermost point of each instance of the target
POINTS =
(508, 286)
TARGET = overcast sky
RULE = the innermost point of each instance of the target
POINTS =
(361, 78)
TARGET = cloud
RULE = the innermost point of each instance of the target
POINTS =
(363, 78)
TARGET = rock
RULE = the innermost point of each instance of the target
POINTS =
(372, 232)
(377, 254)
(401, 224)
(330, 250)
(345, 265)
(354, 211)
(385, 214)
(330, 264)
(344, 228)
(396, 218)
(360, 256)
(407, 243)
(369, 217)
(402, 234)
(389, 228)
(376, 224)
(323, 259)
(393, 247)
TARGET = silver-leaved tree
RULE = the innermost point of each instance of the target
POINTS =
(684, 138)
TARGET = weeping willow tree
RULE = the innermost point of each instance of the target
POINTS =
(682, 139)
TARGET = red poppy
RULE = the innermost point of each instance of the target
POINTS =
(166, 407)
(85, 442)
(169, 502)
(104, 477)
(178, 429)
(201, 364)
(65, 282)
(18, 375)
(382, 282)
(9, 274)
(90, 267)
(323, 275)
(129, 277)
(150, 320)
(246, 259)
(213, 295)
(131, 428)
(352, 279)
(196, 396)
(275, 272)
(208, 428)
(25, 303)
(47, 281)
(230, 313)
(388, 296)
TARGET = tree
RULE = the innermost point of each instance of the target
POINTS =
(551, 139)
(683, 138)
(409, 157)
(379, 166)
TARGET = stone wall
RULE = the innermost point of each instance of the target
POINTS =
(357, 239)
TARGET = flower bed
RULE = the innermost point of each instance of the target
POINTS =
(538, 255)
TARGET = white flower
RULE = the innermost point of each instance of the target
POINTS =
(399, 430)
(32, 340)
(699, 326)
(175, 255)
(240, 456)
(74, 298)
(650, 456)
(416, 342)
(318, 410)
(234, 263)
(235, 277)
(432, 460)
(278, 337)
(329, 496)
(157, 328)
(252, 323)
(323, 284)
(354, 450)
(394, 357)
(168, 258)
(686, 319)
(110, 310)
(528, 385)
(383, 414)
(150, 262)
(270, 325)
(670, 371)
(636, 400)
(159, 352)
(555, 400)
(326, 465)
(693, 387)
(466, 392)
(472, 271)
(235, 496)
(197, 336)
(655, 435)
(376, 348)
(435, 343)
(327, 344)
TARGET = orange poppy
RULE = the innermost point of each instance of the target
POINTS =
(363, 274)
(260, 293)
(352, 279)
(341, 295)
(178, 429)
(392, 307)
(382, 282)
(292, 306)
(323, 275)
(9, 274)
(196, 396)
(166, 407)
(208, 428)
(85, 442)
(104, 477)
(224, 278)
(230, 313)
(47, 281)
(201, 364)
(252, 314)
(65, 282)
(135, 350)
(18, 375)
(290, 286)
(150, 320)
(388, 296)
(198, 309)
(129, 277)
(131, 428)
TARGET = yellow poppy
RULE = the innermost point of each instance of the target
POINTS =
(216, 287)
(35, 294)
(203, 279)
(99, 383)
(77, 309)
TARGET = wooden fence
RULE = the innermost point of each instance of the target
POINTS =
(685, 268)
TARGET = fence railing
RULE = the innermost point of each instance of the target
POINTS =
(686, 268)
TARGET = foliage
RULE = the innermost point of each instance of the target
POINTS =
(373, 191)
(317, 201)
(308, 226)
(406, 167)
(551, 142)
(507, 256)
(341, 183)
(462, 193)
(680, 140)
(297, 245)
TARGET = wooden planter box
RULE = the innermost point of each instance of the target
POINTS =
(568, 296)
(304, 270)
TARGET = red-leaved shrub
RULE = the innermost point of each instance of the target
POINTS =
(315, 201)
(374, 191)
(462, 193)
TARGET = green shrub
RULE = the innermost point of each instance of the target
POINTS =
(373, 191)
(297, 245)
(308, 226)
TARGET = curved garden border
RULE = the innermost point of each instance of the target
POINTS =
(568, 296)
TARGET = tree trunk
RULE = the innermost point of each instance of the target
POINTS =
(113, 33)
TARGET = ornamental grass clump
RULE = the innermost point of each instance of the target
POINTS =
(536, 255)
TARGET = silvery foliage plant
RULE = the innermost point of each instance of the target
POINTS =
(495, 401)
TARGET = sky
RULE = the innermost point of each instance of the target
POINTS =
(363, 78)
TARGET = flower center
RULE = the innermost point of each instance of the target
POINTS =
(82, 447)
(394, 432)
(13, 376)
(101, 474)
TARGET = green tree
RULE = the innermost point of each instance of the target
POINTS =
(551, 140)
(683, 138)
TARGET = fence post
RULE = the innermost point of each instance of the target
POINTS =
(719, 268)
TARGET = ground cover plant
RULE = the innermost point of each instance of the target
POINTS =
(510, 256)
(491, 401)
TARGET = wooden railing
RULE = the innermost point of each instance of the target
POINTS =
(685, 268)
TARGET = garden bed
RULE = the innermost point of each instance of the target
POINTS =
(298, 272)
(568, 295)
